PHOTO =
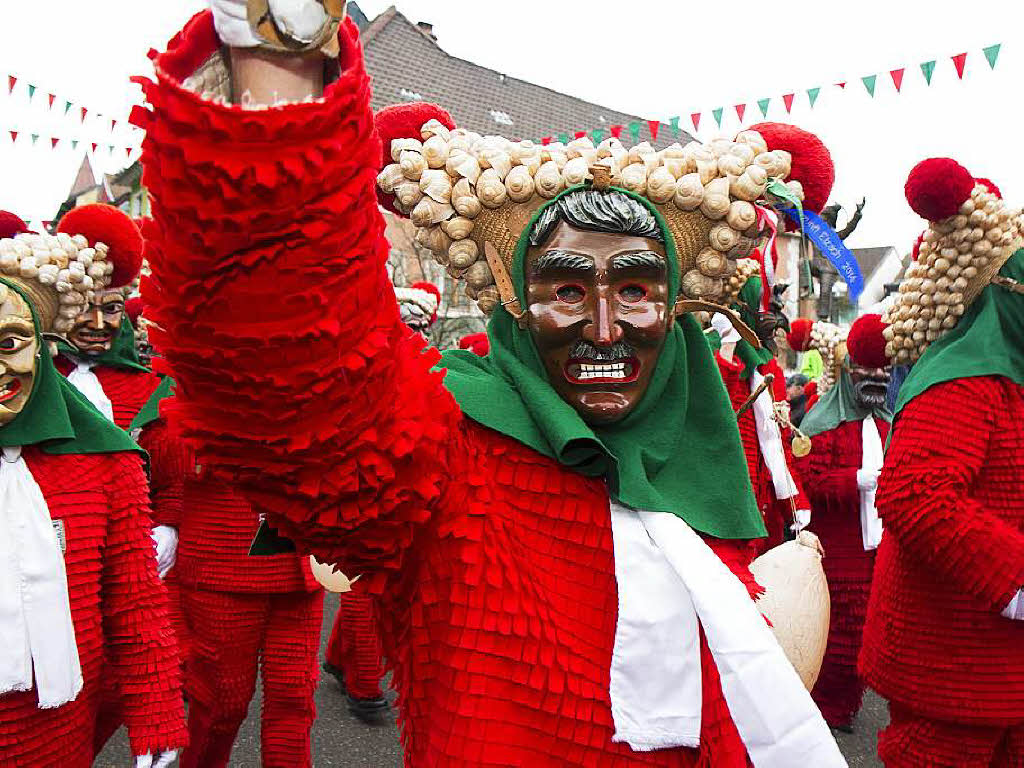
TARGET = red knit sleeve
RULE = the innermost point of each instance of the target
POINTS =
(938, 449)
(273, 309)
(166, 472)
(829, 478)
(140, 648)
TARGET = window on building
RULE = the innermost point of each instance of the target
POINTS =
(501, 118)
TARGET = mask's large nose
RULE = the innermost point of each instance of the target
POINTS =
(97, 319)
(603, 330)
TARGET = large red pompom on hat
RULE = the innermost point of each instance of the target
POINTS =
(403, 121)
(812, 162)
(11, 224)
(937, 187)
(100, 223)
(434, 291)
(799, 335)
(866, 344)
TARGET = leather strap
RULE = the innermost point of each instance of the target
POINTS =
(503, 282)
(700, 305)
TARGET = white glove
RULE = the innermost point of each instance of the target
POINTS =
(163, 759)
(801, 519)
(301, 19)
(1015, 610)
(725, 328)
(867, 480)
(165, 541)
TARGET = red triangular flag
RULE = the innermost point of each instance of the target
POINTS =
(53, 143)
(616, 130)
(545, 141)
(51, 97)
(897, 78)
(654, 125)
(959, 61)
(842, 85)
(579, 134)
(695, 118)
(84, 113)
(113, 124)
(11, 80)
(47, 223)
(128, 151)
(94, 145)
(740, 110)
(14, 136)
(787, 99)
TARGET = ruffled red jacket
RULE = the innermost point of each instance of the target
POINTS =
(951, 497)
(119, 608)
(493, 563)
(128, 389)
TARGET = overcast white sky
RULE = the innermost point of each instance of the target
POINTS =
(649, 57)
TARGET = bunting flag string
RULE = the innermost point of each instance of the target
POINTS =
(57, 141)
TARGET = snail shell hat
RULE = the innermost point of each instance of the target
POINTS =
(96, 247)
(465, 192)
(825, 337)
(972, 234)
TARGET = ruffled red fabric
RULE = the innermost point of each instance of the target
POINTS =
(951, 497)
(119, 609)
(777, 513)
(913, 741)
(829, 474)
(493, 565)
(128, 388)
(355, 647)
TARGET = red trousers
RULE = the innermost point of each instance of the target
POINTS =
(230, 634)
(354, 647)
(912, 741)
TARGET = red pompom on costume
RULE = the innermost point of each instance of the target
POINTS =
(11, 225)
(799, 335)
(477, 343)
(936, 188)
(100, 223)
(866, 344)
(812, 162)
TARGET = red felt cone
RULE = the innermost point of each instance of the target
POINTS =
(960, 61)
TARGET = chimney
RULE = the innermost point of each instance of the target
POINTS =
(427, 29)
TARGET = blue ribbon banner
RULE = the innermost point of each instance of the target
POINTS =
(833, 248)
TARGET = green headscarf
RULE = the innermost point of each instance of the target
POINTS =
(56, 416)
(838, 406)
(150, 412)
(747, 304)
(988, 341)
(679, 451)
(122, 353)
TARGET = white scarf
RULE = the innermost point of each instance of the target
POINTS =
(770, 440)
(871, 447)
(36, 629)
(669, 579)
(86, 382)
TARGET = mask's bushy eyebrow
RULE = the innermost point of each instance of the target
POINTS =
(563, 260)
(639, 259)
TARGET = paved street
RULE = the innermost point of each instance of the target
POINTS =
(340, 741)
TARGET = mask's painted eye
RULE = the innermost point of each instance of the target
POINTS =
(112, 309)
(570, 294)
(633, 293)
(13, 343)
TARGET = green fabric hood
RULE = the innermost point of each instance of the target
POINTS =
(679, 451)
(838, 406)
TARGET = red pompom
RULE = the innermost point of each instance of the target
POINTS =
(866, 344)
(991, 187)
(134, 308)
(799, 335)
(11, 224)
(403, 121)
(812, 162)
(477, 343)
(434, 291)
(937, 187)
(100, 223)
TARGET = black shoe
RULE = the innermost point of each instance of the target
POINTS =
(336, 673)
(371, 711)
(844, 728)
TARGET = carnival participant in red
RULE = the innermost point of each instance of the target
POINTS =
(847, 429)
(557, 533)
(945, 624)
(74, 513)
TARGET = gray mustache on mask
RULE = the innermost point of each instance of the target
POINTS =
(587, 351)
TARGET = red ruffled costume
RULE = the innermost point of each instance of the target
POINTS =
(493, 564)
(120, 614)
(355, 647)
(829, 473)
(951, 496)
(777, 513)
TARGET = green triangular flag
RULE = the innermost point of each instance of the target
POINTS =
(718, 115)
(928, 69)
(597, 135)
(812, 95)
(67, 107)
(74, 143)
(634, 130)
(110, 148)
(31, 91)
(763, 105)
(674, 123)
(869, 83)
(564, 138)
(35, 137)
(992, 53)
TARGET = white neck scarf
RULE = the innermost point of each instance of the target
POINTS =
(36, 629)
(770, 440)
(871, 447)
(669, 579)
(85, 381)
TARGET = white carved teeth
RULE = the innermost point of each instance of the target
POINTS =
(605, 371)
